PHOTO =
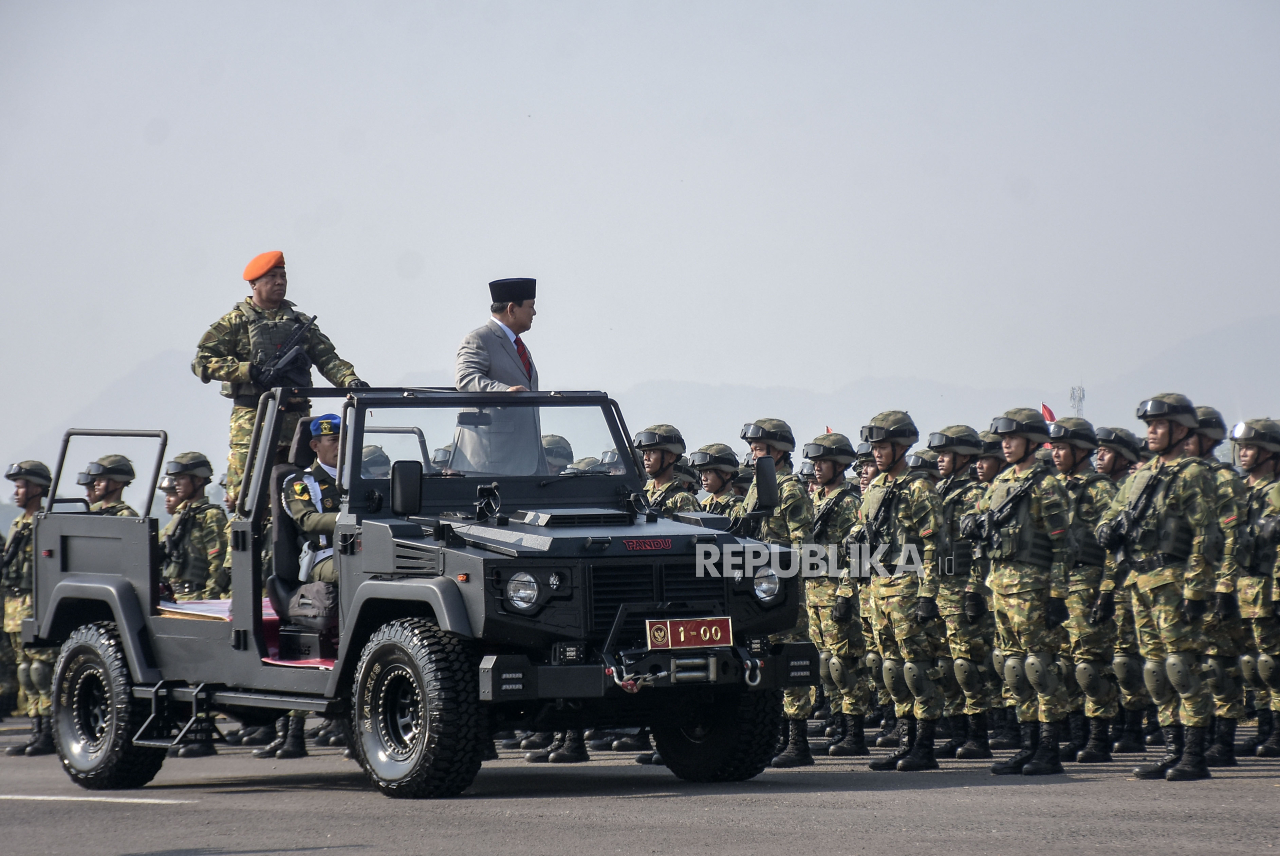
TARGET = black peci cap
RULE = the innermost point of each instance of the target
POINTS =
(513, 290)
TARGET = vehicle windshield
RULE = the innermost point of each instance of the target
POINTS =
(492, 441)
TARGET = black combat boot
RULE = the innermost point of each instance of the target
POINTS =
(1076, 737)
(888, 736)
(540, 756)
(959, 736)
(1028, 742)
(978, 745)
(1191, 765)
(43, 744)
(1222, 753)
(270, 750)
(37, 725)
(1009, 734)
(1269, 748)
(874, 717)
(514, 741)
(1047, 759)
(8, 701)
(200, 749)
(797, 753)
(1172, 738)
(638, 742)
(574, 750)
(1129, 737)
(921, 756)
(537, 740)
(1097, 750)
(890, 762)
(834, 731)
(295, 742)
(854, 740)
(1152, 730)
(1247, 747)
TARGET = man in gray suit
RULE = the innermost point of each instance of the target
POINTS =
(493, 358)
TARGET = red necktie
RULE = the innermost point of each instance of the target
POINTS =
(524, 358)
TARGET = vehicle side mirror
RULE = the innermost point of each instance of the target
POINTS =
(406, 488)
(766, 483)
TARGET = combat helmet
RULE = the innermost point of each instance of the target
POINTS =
(1210, 424)
(1074, 431)
(168, 484)
(715, 456)
(806, 472)
(775, 432)
(83, 478)
(585, 464)
(685, 474)
(1172, 406)
(892, 426)
(960, 439)
(864, 452)
(746, 475)
(557, 450)
(189, 464)
(441, 457)
(1022, 422)
(831, 447)
(1257, 432)
(1121, 440)
(924, 461)
(661, 436)
(116, 468)
(991, 446)
(375, 463)
(32, 471)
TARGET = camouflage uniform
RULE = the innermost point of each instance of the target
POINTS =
(670, 498)
(728, 504)
(312, 500)
(226, 353)
(112, 509)
(1255, 591)
(195, 545)
(1225, 635)
(35, 665)
(835, 513)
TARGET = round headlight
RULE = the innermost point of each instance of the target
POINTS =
(522, 591)
(766, 584)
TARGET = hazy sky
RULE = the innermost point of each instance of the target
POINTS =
(765, 194)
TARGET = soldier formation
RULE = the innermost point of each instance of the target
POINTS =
(1044, 587)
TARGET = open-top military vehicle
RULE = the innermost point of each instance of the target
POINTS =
(484, 594)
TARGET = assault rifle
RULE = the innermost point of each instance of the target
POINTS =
(1118, 534)
(984, 529)
(286, 355)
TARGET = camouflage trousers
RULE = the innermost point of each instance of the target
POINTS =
(35, 675)
(875, 677)
(902, 638)
(972, 642)
(1263, 636)
(1162, 631)
(797, 702)
(242, 432)
(8, 669)
(1021, 628)
(842, 645)
(1127, 645)
(1085, 642)
(1227, 640)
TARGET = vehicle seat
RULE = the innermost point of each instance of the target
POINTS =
(285, 552)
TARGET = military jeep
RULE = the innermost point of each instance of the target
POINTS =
(479, 591)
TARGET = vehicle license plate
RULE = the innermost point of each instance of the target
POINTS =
(689, 633)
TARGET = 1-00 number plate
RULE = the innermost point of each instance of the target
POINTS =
(689, 633)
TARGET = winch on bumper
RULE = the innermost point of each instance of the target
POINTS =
(757, 665)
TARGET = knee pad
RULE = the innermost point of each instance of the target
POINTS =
(824, 668)
(916, 675)
(997, 662)
(1153, 675)
(1067, 673)
(42, 676)
(1092, 678)
(968, 676)
(1015, 675)
(1128, 671)
(24, 678)
(946, 672)
(840, 679)
(895, 681)
(1042, 672)
(875, 665)
(1223, 678)
(1249, 671)
(1269, 671)
(1183, 670)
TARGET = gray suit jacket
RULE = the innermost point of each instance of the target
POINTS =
(487, 362)
(512, 444)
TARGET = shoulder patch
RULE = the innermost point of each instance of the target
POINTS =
(300, 489)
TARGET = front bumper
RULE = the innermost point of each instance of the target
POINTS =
(514, 677)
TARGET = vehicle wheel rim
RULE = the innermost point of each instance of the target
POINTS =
(399, 713)
(90, 710)
(696, 733)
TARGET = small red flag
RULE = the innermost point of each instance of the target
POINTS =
(828, 429)
(1048, 414)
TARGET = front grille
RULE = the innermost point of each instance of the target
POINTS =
(681, 582)
(614, 585)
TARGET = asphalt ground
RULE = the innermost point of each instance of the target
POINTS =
(236, 804)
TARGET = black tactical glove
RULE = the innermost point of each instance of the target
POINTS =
(926, 609)
(842, 612)
(1225, 606)
(1055, 613)
(358, 384)
(1193, 610)
(1269, 530)
(1106, 535)
(260, 376)
(1104, 609)
(975, 606)
(969, 527)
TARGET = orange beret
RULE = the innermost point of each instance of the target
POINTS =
(263, 263)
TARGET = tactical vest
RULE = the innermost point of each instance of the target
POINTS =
(821, 521)
(1084, 550)
(661, 501)
(1255, 557)
(265, 338)
(17, 566)
(723, 505)
(893, 534)
(1020, 540)
(1216, 541)
(1159, 531)
(178, 559)
(952, 491)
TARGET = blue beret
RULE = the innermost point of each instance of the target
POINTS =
(330, 423)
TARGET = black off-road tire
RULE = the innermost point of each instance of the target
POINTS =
(95, 714)
(730, 741)
(415, 711)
